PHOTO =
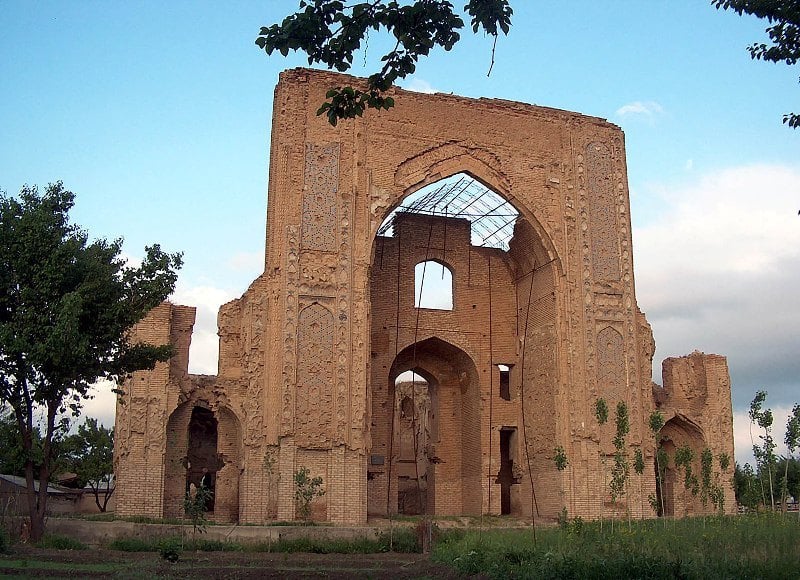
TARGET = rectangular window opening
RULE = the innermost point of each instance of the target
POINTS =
(505, 382)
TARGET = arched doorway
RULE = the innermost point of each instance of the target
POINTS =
(204, 449)
(678, 498)
(499, 286)
(431, 455)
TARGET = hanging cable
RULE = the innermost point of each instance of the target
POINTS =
(391, 390)
(522, 395)
(491, 389)
(414, 366)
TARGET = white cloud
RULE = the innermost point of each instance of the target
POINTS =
(741, 433)
(646, 108)
(719, 271)
(418, 85)
(248, 262)
(204, 351)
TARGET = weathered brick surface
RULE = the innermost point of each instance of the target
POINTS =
(310, 353)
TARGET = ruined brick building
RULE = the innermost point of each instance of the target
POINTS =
(314, 358)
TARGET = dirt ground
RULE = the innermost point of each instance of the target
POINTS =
(29, 562)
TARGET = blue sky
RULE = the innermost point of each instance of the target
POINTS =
(158, 116)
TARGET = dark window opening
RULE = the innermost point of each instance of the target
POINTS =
(505, 477)
(505, 382)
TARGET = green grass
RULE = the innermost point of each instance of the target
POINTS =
(402, 541)
(745, 546)
(56, 542)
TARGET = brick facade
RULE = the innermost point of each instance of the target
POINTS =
(310, 354)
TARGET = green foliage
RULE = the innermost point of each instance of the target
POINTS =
(560, 458)
(638, 461)
(170, 550)
(89, 453)
(765, 453)
(601, 411)
(724, 461)
(58, 542)
(194, 506)
(306, 488)
(727, 547)
(66, 305)
(331, 32)
(783, 31)
(5, 540)
(404, 541)
(656, 422)
(619, 472)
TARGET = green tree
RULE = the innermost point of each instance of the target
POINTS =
(619, 473)
(765, 453)
(745, 486)
(792, 440)
(306, 488)
(330, 32)
(66, 305)
(783, 31)
(90, 454)
(656, 423)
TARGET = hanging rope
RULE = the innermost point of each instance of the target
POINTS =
(522, 394)
(392, 389)
(491, 389)
(414, 366)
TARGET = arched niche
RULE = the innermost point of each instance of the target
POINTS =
(679, 431)
(452, 454)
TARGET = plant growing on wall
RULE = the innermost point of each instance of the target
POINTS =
(562, 462)
(656, 423)
(306, 488)
(684, 457)
(601, 414)
(638, 468)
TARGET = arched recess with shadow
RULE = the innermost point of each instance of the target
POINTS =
(203, 448)
(677, 500)
(506, 278)
(453, 450)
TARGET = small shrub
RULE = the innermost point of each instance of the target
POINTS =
(170, 550)
(56, 542)
(306, 488)
(5, 540)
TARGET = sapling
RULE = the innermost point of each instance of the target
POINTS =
(656, 423)
(619, 473)
(601, 414)
(561, 461)
(792, 440)
(638, 467)
(684, 456)
(306, 488)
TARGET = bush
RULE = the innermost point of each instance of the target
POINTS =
(170, 549)
(56, 542)
(5, 540)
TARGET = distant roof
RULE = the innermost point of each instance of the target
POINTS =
(20, 481)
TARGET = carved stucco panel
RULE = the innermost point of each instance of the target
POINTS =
(602, 213)
(290, 330)
(611, 378)
(321, 186)
(315, 374)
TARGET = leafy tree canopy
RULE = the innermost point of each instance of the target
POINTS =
(783, 31)
(90, 454)
(330, 32)
(66, 305)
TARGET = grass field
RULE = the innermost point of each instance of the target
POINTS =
(756, 546)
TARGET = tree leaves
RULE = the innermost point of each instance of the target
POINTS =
(330, 32)
(783, 32)
(66, 306)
